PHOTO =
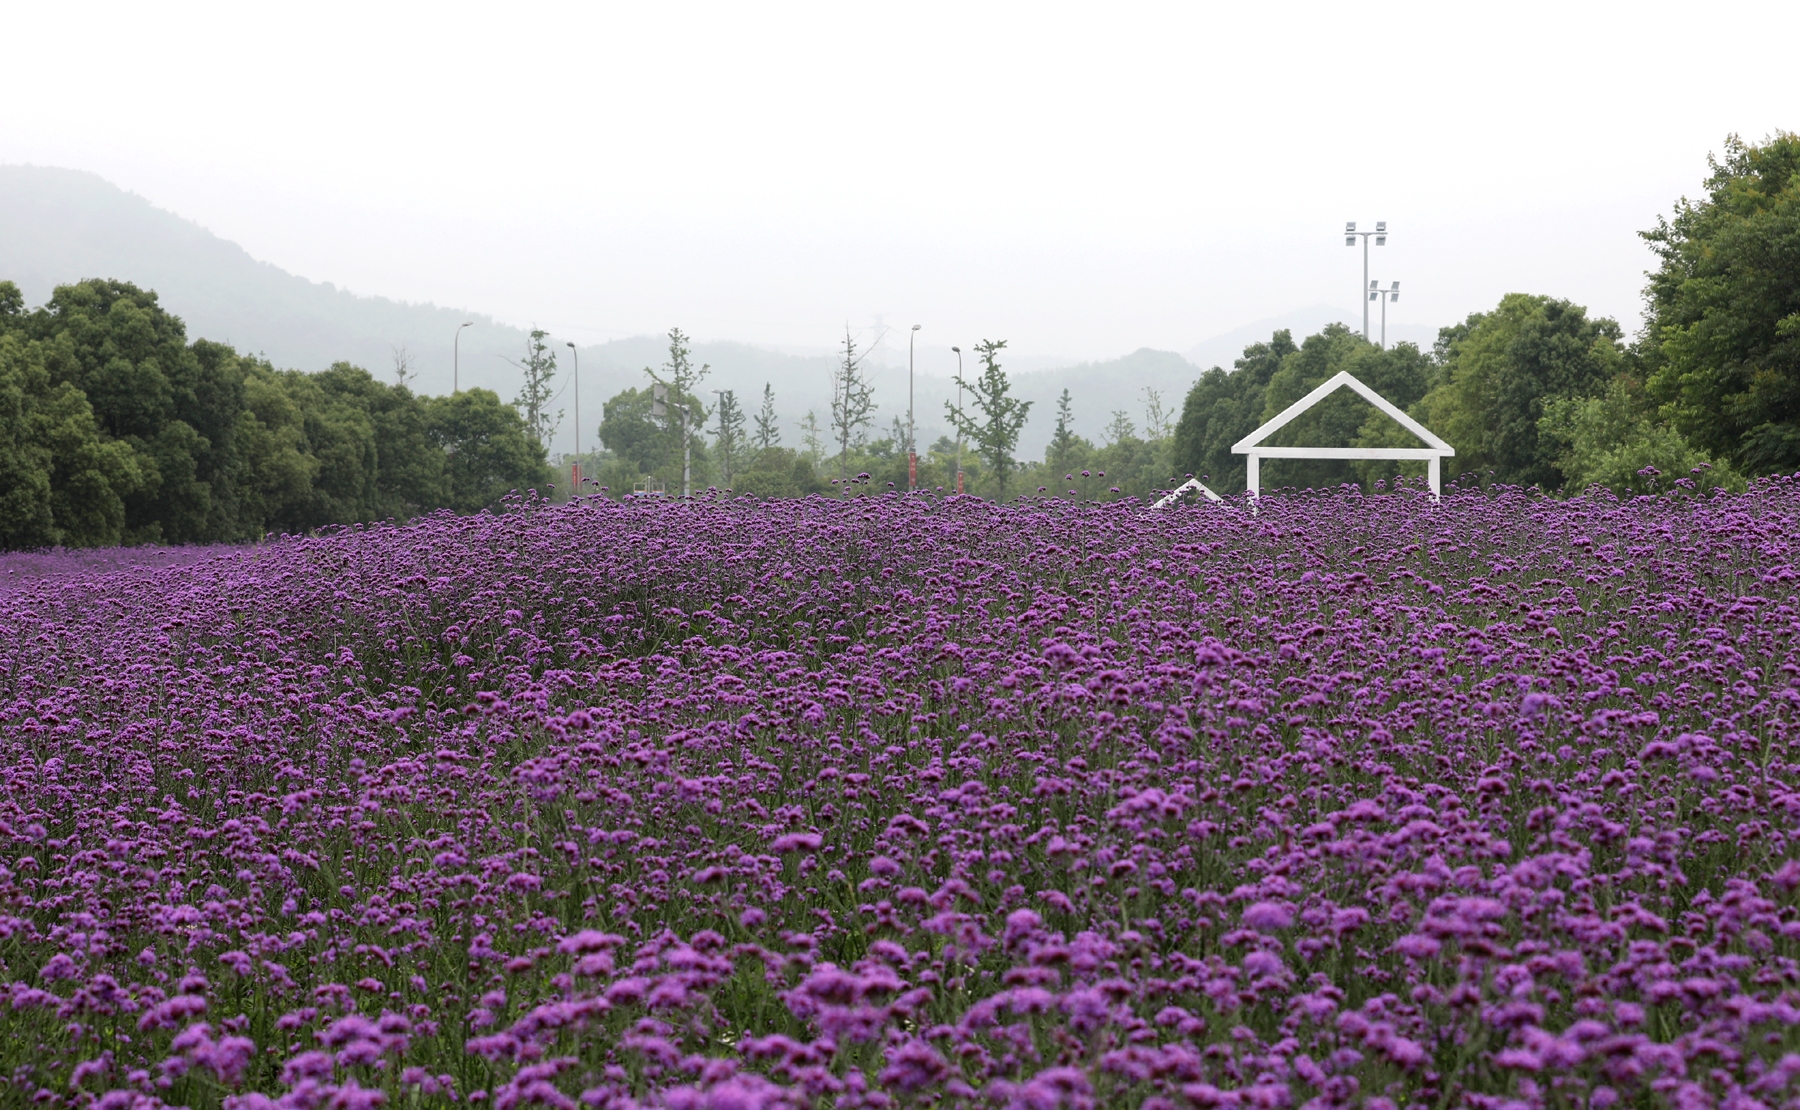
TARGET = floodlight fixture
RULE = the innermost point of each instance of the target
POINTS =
(1351, 235)
(1376, 293)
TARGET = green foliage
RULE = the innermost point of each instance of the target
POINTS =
(1401, 374)
(118, 430)
(1224, 407)
(779, 472)
(535, 392)
(1063, 441)
(1497, 372)
(852, 403)
(731, 439)
(1614, 440)
(996, 434)
(768, 429)
(647, 444)
(60, 481)
(1723, 337)
(487, 450)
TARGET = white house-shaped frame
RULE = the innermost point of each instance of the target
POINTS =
(1194, 484)
(1252, 447)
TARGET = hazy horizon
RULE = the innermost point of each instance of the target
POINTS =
(1081, 184)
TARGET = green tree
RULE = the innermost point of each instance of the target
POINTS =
(1401, 373)
(811, 437)
(1496, 372)
(177, 406)
(1722, 343)
(535, 392)
(852, 402)
(1224, 407)
(779, 472)
(996, 434)
(61, 482)
(731, 433)
(1063, 440)
(1156, 416)
(1120, 427)
(489, 450)
(1615, 440)
(768, 430)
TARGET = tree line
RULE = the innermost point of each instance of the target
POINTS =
(1534, 392)
(114, 428)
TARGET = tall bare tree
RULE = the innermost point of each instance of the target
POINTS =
(852, 401)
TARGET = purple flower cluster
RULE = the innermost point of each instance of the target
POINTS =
(1488, 802)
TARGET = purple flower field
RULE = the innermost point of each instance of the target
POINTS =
(904, 802)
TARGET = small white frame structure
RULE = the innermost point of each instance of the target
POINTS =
(1174, 495)
(1252, 447)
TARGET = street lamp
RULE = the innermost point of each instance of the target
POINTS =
(912, 443)
(1350, 237)
(576, 355)
(958, 351)
(456, 358)
(1376, 294)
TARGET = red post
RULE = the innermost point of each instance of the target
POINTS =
(912, 471)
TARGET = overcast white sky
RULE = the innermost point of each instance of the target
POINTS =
(1081, 180)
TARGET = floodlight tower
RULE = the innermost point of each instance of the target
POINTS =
(1350, 237)
(1376, 293)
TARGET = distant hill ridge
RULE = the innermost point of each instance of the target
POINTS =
(62, 225)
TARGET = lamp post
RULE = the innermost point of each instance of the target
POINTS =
(456, 358)
(576, 356)
(1376, 293)
(912, 442)
(958, 351)
(1350, 237)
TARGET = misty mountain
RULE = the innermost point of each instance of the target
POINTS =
(61, 225)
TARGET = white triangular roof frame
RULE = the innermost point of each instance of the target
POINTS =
(1251, 446)
(1174, 495)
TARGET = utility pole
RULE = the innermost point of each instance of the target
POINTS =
(456, 359)
(912, 442)
(959, 482)
(1376, 293)
(576, 356)
(1350, 237)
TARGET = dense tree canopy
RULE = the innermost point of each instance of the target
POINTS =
(1723, 339)
(1496, 372)
(114, 428)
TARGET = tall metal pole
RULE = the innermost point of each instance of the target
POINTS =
(456, 359)
(687, 456)
(1350, 236)
(958, 351)
(576, 355)
(912, 442)
(1365, 282)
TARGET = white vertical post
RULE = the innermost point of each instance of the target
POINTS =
(1436, 472)
(1253, 474)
